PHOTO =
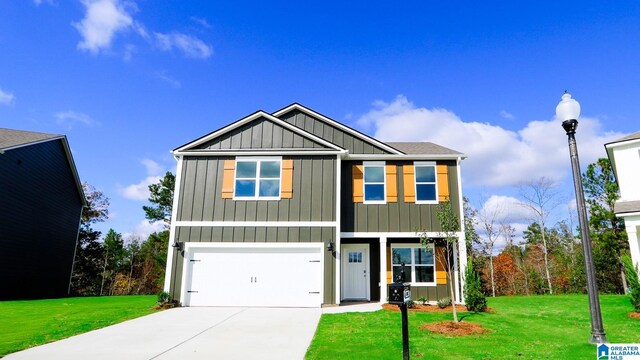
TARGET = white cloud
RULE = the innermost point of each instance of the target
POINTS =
(162, 75)
(496, 156)
(6, 98)
(506, 209)
(506, 115)
(70, 118)
(39, 2)
(102, 21)
(200, 21)
(140, 191)
(144, 229)
(190, 46)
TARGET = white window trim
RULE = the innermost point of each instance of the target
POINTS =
(258, 160)
(384, 182)
(412, 265)
(415, 181)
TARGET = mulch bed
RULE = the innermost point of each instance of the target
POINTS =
(462, 328)
(634, 315)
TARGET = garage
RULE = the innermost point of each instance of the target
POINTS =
(260, 275)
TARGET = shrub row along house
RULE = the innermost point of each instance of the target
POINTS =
(296, 209)
(41, 201)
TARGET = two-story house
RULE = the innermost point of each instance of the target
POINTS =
(624, 155)
(296, 209)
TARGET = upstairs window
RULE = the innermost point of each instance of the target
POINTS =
(426, 186)
(374, 182)
(257, 178)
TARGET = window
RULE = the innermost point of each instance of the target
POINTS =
(374, 175)
(426, 187)
(419, 263)
(258, 178)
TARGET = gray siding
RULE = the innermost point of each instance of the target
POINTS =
(258, 234)
(331, 133)
(391, 217)
(313, 193)
(261, 134)
(39, 218)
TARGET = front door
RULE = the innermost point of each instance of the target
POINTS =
(355, 272)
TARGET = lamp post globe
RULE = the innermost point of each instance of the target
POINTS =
(568, 110)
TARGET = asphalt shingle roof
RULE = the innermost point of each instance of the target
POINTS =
(627, 206)
(634, 136)
(10, 138)
(427, 148)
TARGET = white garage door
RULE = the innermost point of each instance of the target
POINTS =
(273, 276)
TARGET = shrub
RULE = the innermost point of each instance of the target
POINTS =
(473, 295)
(422, 300)
(632, 281)
(444, 302)
(411, 304)
(164, 298)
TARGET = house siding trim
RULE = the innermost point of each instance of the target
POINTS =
(172, 230)
(250, 118)
(257, 223)
(337, 250)
(287, 152)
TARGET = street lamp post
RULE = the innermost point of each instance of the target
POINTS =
(568, 110)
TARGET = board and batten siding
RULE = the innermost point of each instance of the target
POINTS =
(260, 134)
(39, 219)
(314, 189)
(397, 216)
(331, 133)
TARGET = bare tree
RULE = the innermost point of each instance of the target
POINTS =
(540, 197)
(489, 221)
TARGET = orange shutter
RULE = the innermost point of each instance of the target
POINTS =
(227, 179)
(443, 182)
(441, 273)
(358, 183)
(287, 179)
(409, 183)
(392, 183)
(389, 268)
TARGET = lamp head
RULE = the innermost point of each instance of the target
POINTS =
(568, 110)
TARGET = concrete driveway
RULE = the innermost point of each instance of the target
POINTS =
(192, 333)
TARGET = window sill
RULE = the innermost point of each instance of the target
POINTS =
(427, 202)
(256, 198)
(374, 202)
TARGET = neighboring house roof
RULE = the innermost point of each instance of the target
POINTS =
(634, 136)
(622, 207)
(13, 139)
(10, 138)
(423, 148)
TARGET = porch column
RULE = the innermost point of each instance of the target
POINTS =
(383, 269)
(632, 226)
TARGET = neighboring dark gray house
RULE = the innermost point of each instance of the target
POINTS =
(296, 209)
(41, 201)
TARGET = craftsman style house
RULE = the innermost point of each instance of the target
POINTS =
(624, 155)
(296, 209)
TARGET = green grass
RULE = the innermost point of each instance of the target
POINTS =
(522, 327)
(24, 324)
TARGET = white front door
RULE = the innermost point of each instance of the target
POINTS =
(355, 272)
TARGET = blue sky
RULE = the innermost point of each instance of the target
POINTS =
(127, 81)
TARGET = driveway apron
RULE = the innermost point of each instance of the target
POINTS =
(193, 333)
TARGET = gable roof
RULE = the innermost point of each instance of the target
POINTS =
(423, 148)
(13, 139)
(366, 138)
(631, 138)
(634, 136)
(253, 117)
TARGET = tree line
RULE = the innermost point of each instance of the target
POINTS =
(114, 265)
(549, 259)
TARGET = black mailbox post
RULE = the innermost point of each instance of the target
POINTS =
(400, 294)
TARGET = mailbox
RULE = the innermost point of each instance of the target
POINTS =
(399, 293)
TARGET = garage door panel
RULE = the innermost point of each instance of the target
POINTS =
(255, 277)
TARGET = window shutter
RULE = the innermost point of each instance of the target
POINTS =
(358, 183)
(441, 273)
(443, 182)
(389, 268)
(409, 183)
(392, 183)
(286, 187)
(227, 179)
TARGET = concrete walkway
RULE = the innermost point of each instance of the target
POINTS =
(198, 333)
(192, 333)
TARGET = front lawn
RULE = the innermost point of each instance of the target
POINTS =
(24, 324)
(526, 327)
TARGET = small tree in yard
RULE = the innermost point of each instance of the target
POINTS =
(632, 281)
(449, 227)
(473, 295)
